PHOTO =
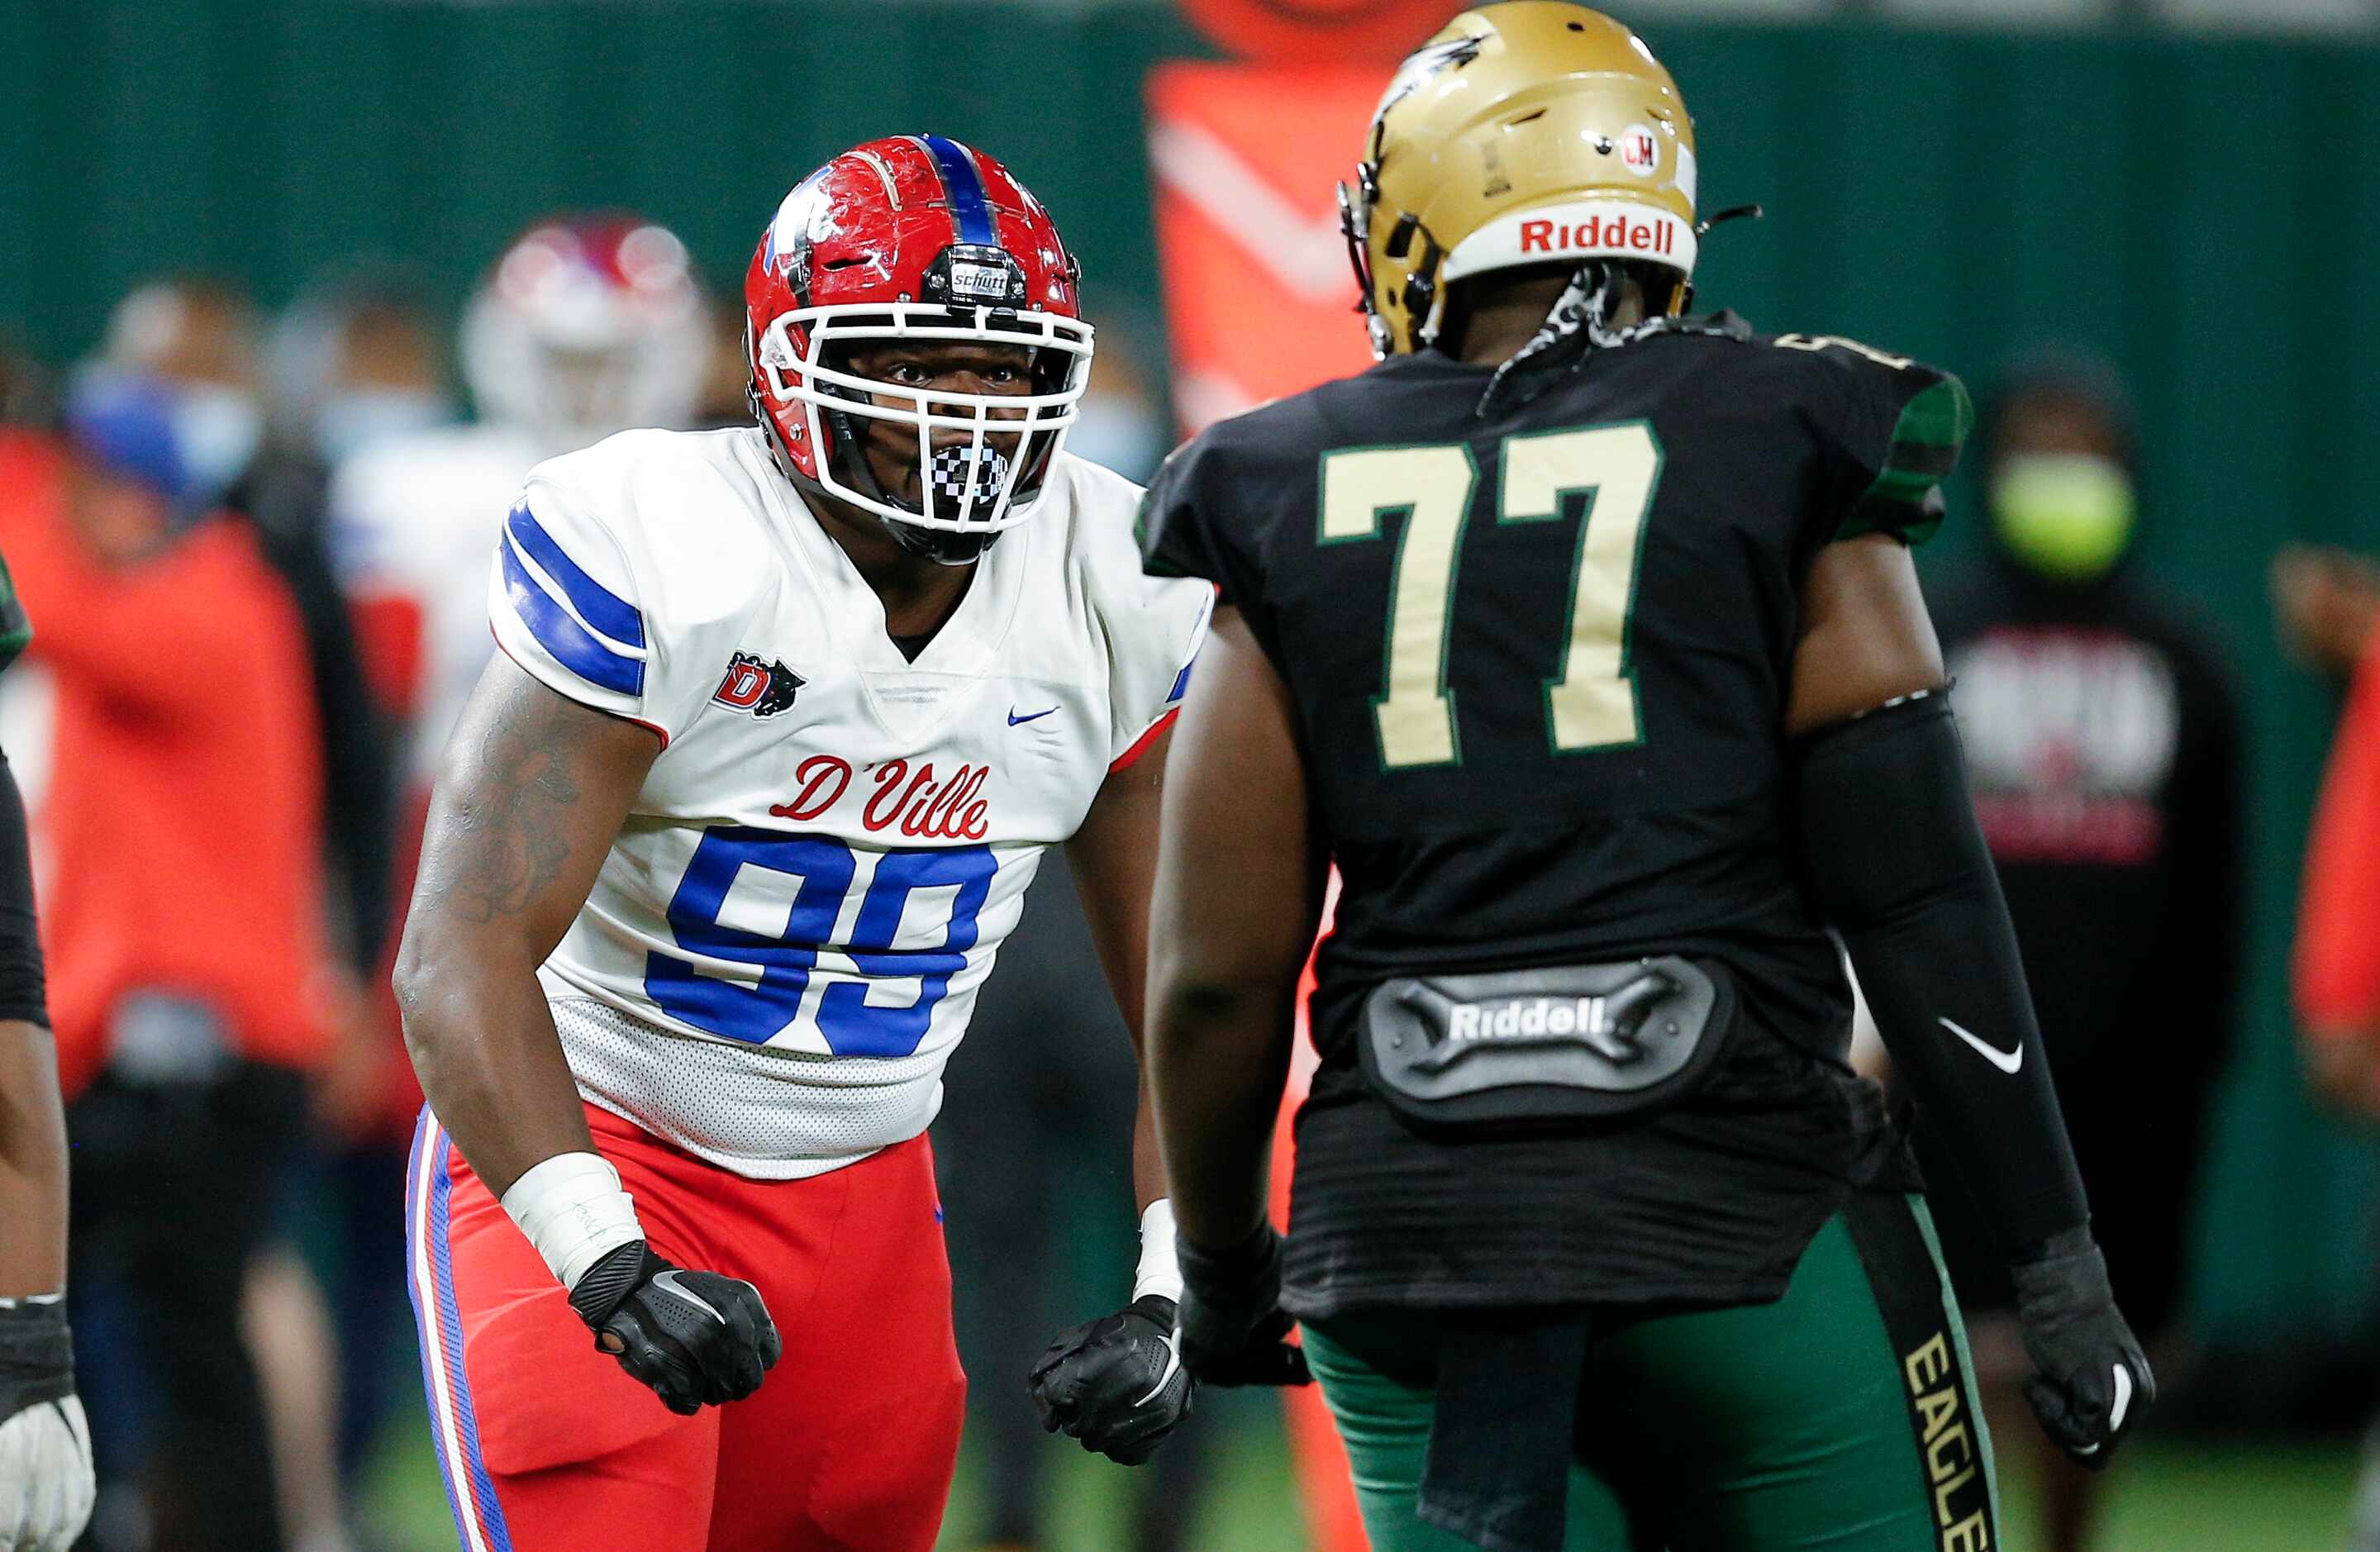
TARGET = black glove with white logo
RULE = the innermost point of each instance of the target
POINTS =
(1230, 1326)
(1115, 1383)
(46, 1487)
(698, 1338)
(2093, 1383)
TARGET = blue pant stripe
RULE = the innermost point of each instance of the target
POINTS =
(450, 1328)
(414, 1183)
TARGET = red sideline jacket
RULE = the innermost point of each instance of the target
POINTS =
(183, 814)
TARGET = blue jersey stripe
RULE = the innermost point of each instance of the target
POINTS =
(569, 641)
(596, 604)
(965, 185)
(1182, 679)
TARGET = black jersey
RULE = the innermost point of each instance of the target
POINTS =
(1540, 659)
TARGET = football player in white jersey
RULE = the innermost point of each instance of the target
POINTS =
(587, 325)
(724, 847)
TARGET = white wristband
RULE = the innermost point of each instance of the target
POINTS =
(573, 1210)
(1160, 1262)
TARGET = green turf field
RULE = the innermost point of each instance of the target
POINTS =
(2179, 1497)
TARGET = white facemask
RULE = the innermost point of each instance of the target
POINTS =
(216, 430)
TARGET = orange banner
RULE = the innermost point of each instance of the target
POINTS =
(1260, 298)
(1261, 303)
(1296, 29)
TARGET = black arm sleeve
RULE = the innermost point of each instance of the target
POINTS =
(22, 994)
(1888, 834)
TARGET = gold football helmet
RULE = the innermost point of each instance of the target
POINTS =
(1526, 132)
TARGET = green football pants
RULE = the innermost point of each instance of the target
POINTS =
(1844, 1415)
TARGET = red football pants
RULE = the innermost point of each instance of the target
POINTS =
(547, 1446)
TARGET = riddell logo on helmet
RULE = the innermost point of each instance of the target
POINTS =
(1597, 232)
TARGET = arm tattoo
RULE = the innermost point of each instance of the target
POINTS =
(506, 841)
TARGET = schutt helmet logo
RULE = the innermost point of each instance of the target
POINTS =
(762, 688)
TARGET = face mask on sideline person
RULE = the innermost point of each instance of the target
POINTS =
(216, 428)
(2066, 515)
(348, 422)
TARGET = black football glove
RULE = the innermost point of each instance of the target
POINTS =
(1231, 1325)
(698, 1338)
(2093, 1383)
(1116, 1383)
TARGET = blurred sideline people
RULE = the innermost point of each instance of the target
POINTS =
(200, 341)
(2102, 732)
(353, 364)
(2336, 969)
(197, 338)
(355, 361)
(2328, 602)
(46, 1487)
(724, 401)
(349, 366)
(586, 326)
(183, 929)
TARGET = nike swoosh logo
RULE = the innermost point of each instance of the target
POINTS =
(668, 1283)
(1014, 719)
(2007, 1061)
(1173, 1367)
(2115, 1413)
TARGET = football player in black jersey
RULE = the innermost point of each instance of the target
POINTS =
(1581, 635)
(46, 1487)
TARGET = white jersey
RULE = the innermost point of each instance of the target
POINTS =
(786, 941)
(411, 521)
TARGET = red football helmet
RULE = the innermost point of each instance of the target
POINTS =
(587, 325)
(916, 238)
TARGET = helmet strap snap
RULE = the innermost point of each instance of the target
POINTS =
(940, 546)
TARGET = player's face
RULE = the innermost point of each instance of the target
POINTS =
(931, 365)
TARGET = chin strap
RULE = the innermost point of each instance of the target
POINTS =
(1577, 327)
(1580, 324)
(935, 545)
(932, 544)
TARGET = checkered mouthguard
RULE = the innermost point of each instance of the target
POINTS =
(954, 467)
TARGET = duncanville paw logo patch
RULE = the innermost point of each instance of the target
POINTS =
(762, 688)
